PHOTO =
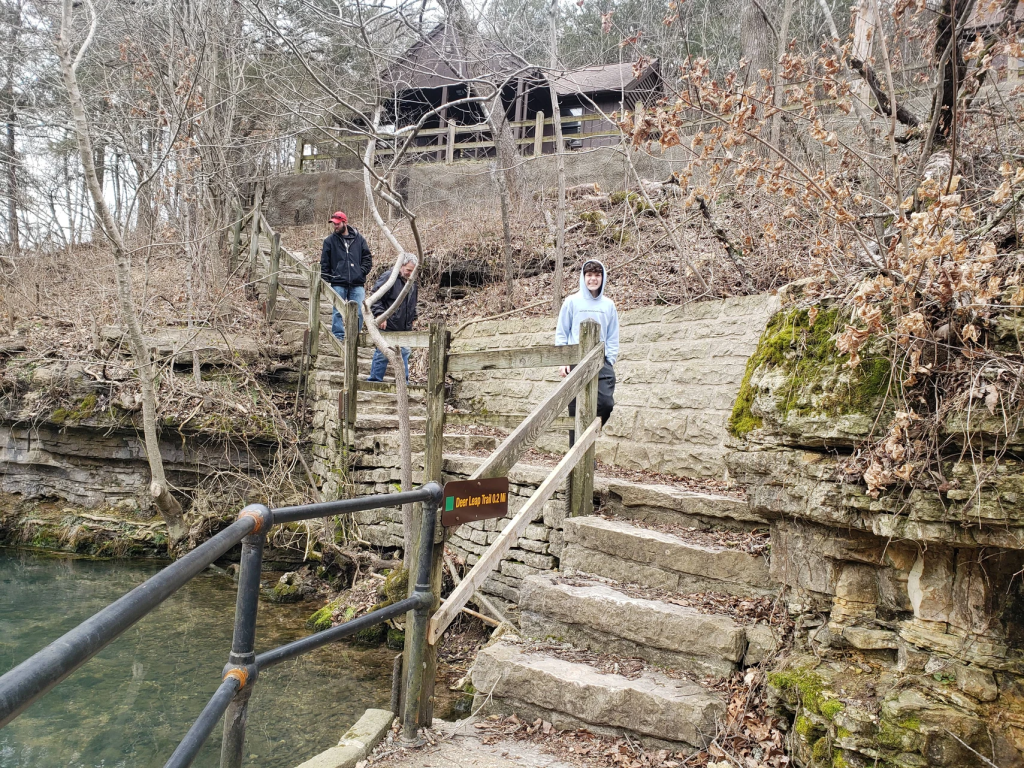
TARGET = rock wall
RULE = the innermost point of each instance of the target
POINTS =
(908, 604)
(537, 550)
(678, 373)
(96, 465)
(432, 189)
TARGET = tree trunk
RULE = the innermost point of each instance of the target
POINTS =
(478, 68)
(14, 59)
(165, 502)
(393, 356)
(506, 239)
(949, 55)
(556, 122)
(756, 48)
(780, 50)
(11, 162)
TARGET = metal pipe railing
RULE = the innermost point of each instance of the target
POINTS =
(27, 682)
(328, 636)
(200, 731)
(358, 504)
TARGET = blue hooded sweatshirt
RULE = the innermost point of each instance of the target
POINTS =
(583, 306)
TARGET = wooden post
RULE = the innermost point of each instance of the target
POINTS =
(254, 241)
(433, 458)
(275, 268)
(538, 135)
(300, 148)
(349, 316)
(449, 150)
(581, 483)
(314, 314)
(236, 236)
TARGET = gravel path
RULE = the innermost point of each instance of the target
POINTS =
(459, 746)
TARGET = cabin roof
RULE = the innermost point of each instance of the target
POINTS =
(609, 77)
(441, 59)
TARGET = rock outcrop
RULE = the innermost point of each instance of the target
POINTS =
(908, 605)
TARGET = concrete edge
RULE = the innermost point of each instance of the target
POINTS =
(357, 743)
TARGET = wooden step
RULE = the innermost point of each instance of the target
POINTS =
(619, 550)
(508, 678)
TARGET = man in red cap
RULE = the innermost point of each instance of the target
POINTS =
(345, 262)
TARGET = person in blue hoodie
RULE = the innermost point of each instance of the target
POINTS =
(590, 303)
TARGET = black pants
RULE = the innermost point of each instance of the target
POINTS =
(605, 397)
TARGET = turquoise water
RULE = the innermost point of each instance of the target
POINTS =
(131, 704)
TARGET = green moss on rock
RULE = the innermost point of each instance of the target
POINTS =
(396, 585)
(396, 639)
(815, 379)
(831, 707)
(803, 685)
(822, 750)
(323, 618)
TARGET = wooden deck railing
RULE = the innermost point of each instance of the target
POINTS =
(461, 140)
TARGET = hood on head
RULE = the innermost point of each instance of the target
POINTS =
(604, 279)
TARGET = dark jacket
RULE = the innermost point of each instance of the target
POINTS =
(402, 318)
(345, 260)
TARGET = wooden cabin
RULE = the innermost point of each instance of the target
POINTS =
(434, 73)
(431, 82)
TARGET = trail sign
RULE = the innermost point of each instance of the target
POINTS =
(469, 500)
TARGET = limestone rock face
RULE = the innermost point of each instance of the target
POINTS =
(922, 581)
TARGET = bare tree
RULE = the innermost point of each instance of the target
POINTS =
(146, 370)
(12, 22)
(556, 123)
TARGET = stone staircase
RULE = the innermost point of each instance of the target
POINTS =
(618, 632)
(609, 642)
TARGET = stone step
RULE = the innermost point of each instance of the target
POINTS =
(618, 550)
(599, 617)
(377, 445)
(384, 422)
(654, 707)
(667, 505)
(386, 410)
(388, 398)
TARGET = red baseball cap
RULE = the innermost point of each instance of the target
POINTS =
(339, 217)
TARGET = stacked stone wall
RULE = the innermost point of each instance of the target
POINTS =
(537, 550)
(678, 373)
(435, 189)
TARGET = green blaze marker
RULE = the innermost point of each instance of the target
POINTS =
(449, 504)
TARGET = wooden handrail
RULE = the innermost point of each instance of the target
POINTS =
(414, 339)
(507, 454)
(491, 559)
(515, 357)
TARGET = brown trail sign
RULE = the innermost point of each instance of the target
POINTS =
(469, 500)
